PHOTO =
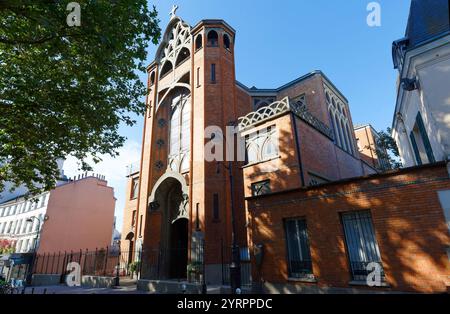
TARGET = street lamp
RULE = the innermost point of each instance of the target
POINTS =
(30, 268)
(235, 266)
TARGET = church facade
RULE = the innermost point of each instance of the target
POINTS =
(295, 136)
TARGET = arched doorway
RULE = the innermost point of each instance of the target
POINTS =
(170, 197)
(178, 248)
(130, 238)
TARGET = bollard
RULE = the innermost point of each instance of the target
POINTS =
(32, 290)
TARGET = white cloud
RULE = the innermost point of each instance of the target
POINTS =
(114, 169)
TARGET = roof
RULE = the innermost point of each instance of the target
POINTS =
(253, 89)
(427, 19)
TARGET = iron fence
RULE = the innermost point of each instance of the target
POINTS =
(179, 263)
(101, 262)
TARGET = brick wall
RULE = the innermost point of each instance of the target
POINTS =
(409, 225)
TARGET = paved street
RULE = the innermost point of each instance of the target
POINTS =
(63, 289)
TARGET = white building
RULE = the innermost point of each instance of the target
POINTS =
(421, 125)
(21, 220)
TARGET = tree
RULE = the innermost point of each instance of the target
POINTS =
(64, 90)
(387, 149)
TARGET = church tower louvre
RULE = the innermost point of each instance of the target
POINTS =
(184, 200)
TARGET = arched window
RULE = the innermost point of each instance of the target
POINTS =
(350, 139)
(167, 67)
(183, 55)
(333, 124)
(269, 149)
(179, 132)
(336, 131)
(226, 41)
(213, 38)
(175, 131)
(199, 42)
(343, 136)
(184, 164)
(333, 102)
(251, 154)
(152, 78)
(327, 96)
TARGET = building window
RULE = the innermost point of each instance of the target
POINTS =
(216, 215)
(362, 246)
(133, 219)
(213, 73)
(421, 143)
(152, 78)
(197, 217)
(166, 69)
(198, 42)
(198, 77)
(261, 188)
(134, 188)
(226, 41)
(299, 256)
(213, 39)
(140, 225)
(180, 133)
(261, 145)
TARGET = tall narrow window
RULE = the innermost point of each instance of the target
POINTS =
(198, 42)
(226, 41)
(216, 206)
(133, 219)
(197, 217)
(213, 73)
(299, 257)
(134, 188)
(198, 77)
(140, 225)
(213, 38)
(180, 135)
(361, 244)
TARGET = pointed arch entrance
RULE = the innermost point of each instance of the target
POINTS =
(170, 197)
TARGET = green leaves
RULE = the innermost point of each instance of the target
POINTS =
(65, 90)
(389, 149)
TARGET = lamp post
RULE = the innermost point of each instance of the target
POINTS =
(235, 265)
(30, 268)
(117, 279)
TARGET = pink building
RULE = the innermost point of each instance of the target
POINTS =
(80, 215)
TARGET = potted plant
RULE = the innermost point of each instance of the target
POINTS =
(133, 268)
(194, 270)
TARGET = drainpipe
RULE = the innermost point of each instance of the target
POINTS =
(297, 147)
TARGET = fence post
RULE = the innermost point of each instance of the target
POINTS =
(159, 258)
(53, 262)
(106, 261)
(221, 254)
(83, 272)
(140, 263)
(62, 268)
(46, 265)
(57, 264)
(117, 283)
(95, 262)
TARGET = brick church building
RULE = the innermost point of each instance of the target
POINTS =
(298, 139)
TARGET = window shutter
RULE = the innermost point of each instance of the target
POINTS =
(416, 150)
(425, 139)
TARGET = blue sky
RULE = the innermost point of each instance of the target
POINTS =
(278, 41)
